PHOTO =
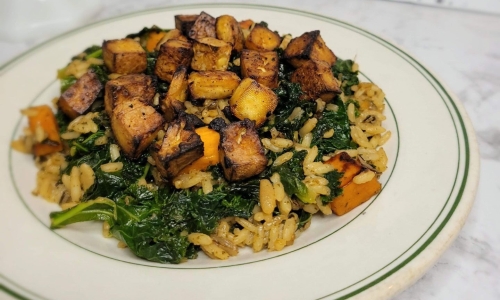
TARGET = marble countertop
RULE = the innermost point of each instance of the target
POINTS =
(463, 48)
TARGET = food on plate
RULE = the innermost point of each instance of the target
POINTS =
(214, 136)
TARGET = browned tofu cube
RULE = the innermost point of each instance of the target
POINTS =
(135, 125)
(309, 46)
(203, 27)
(127, 87)
(78, 98)
(173, 34)
(176, 95)
(181, 146)
(124, 56)
(260, 66)
(262, 38)
(345, 164)
(173, 53)
(241, 152)
(253, 101)
(316, 80)
(210, 54)
(185, 22)
(212, 84)
(229, 31)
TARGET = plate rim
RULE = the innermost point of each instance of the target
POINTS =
(467, 189)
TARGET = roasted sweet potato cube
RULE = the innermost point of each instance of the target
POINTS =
(203, 27)
(229, 31)
(241, 152)
(181, 146)
(127, 87)
(78, 98)
(316, 80)
(42, 117)
(308, 46)
(260, 66)
(212, 84)
(210, 54)
(135, 125)
(253, 101)
(125, 56)
(354, 195)
(262, 38)
(185, 22)
(246, 24)
(343, 163)
(174, 34)
(173, 53)
(173, 103)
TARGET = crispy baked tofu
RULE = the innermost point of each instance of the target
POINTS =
(345, 164)
(260, 66)
(229, 31)
(181, 146)
(174, 34)
(173, 53)
(135, 125)
(203, 27)
(127, 87)
(253, 101)
(210, 54)
(125, 56)
(173, 103)
(212, 84)
(308, 46)
(78, 98)
(316, 80)
(185, 22)
(262, 38)
(241, 152)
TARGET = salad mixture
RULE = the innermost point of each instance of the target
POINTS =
(213, 136)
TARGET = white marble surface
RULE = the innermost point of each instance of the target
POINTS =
(461, 47)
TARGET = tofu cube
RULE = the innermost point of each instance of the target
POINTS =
(308, 46)
(128, 87)
(135, 126)
(262, 38)
(253, 101)
(260, 66)
(180, 147)
(229, 31)
(185, 22)
(212, 84)
(173, 53)
(173, 34)
(173, 103)
(210, 54)
(316, 80)
(242, 154)
(125, 56)
(203, 27)
(78, 98)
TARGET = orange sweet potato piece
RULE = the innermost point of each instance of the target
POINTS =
(210, 139)
(246, 24)
(42, 116)
(354, 195)
(342, 162)
(153, 39)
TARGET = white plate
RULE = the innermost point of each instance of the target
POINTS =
(373, 252)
